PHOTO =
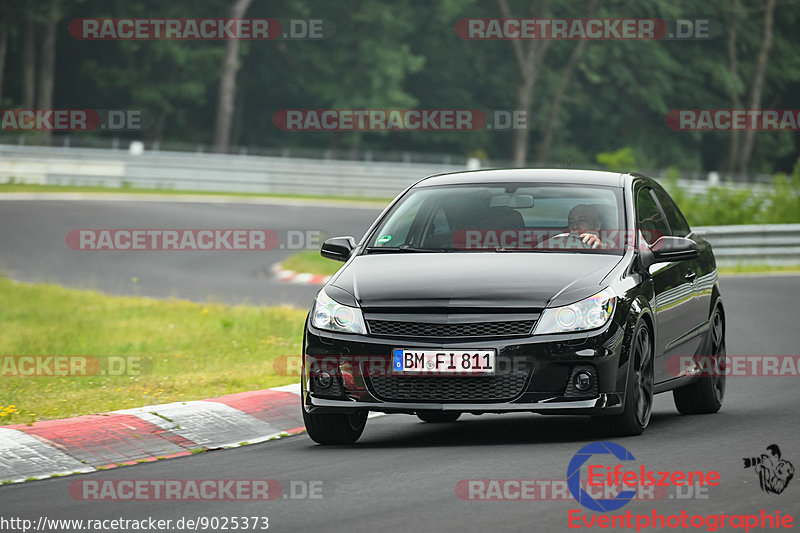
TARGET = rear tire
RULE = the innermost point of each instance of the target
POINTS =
(639, 389)
(438, 417)
(328, 428)
(705, 395)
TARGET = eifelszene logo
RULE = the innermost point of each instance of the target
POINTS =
(773, 472)
(600, 475)
(574, 476)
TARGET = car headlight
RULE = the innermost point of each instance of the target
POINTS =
(592, 313)
(330, 315)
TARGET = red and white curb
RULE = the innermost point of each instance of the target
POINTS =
(302, 278)
(130, 436)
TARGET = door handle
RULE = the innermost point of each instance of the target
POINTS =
(690, 276)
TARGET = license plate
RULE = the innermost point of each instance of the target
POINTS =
(464, 362)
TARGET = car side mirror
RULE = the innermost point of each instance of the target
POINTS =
(338, 248)
(669, 248)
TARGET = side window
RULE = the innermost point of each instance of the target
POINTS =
(397, 232)
(648, 217)
(676, 221)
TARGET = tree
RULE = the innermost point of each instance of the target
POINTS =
(28, 60)
(734, 12)
(227, 83)
(555, 105)
(529, 59)
(365, 64)
(171, 82)
(47, 63)
(3, 50)
(582, 98)
(757, 84)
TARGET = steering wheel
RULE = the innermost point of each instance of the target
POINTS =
(574, 237)
(570, 241)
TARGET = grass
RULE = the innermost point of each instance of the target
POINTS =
(192, 351)
(311, 262)
(25, 187)
(756, 269)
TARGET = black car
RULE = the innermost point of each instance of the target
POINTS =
(550, 291)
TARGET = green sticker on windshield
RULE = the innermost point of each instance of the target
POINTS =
(384, 239)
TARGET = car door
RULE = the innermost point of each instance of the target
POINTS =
(672, 288)
(700, 270)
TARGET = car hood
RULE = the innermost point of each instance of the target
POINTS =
(520, 279)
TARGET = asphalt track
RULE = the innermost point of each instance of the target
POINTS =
(33, 247)
(402, 474)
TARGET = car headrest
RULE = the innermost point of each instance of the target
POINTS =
(502, 217)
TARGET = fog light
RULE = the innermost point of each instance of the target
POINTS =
(583, 381)
(323, 379)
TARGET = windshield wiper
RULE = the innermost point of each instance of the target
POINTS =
(404, 248)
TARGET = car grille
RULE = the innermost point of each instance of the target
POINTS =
(391, 328)
(502, 387)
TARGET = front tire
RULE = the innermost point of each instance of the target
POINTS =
(328, 428)
(639, 391)
(705, 395)
(438, 417)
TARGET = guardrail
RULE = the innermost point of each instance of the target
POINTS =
(771, 244)
(210, 172)
(227, 173)
(112, 144)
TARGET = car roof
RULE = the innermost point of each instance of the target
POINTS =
(538, 175)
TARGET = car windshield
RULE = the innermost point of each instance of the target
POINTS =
(505, 217)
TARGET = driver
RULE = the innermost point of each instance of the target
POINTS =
(585, 224)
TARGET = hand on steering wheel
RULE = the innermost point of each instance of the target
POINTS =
(590, 240)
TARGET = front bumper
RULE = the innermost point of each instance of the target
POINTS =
(602, 404)
(541, 366)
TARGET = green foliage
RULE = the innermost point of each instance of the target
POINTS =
(778, 204)
(721, 206)
(784, 201)
(623, 160)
